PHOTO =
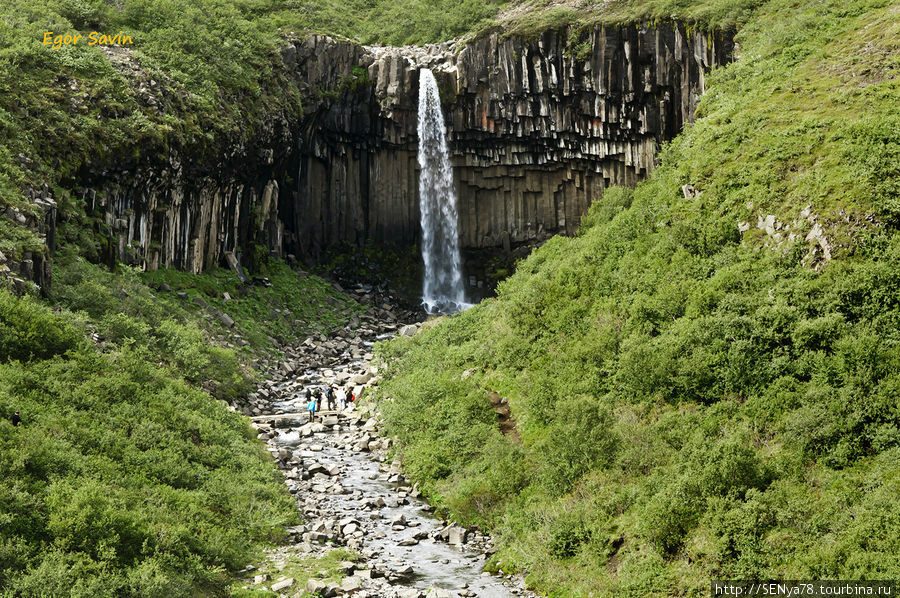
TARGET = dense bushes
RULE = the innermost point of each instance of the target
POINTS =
(125, 313)
(126, 479)
(28, 330)
(691, 401)
(720, 419)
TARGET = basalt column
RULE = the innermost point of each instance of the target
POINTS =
(539, 128)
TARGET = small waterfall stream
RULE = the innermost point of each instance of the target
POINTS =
(442, 292)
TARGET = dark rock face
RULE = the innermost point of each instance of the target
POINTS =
(536, 134)
(186, 214)
(20, 274)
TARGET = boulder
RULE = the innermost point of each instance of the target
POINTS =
(361, 379)
(316, 587)
(284, 584)
(409, 330)
(457, 536)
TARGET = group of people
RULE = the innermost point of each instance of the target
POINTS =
(331, 396)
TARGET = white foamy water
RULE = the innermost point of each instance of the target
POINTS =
(442, 291)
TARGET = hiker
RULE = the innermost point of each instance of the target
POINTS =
(317, 393)
(311, 406)
(342, 398)
(329, 394)
(15, 419)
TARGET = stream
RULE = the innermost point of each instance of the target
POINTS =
(350, 495)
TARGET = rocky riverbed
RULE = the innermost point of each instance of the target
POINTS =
(348, 493)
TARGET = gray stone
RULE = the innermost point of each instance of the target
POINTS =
(316, 587)
(282, 585)
(362, 378)
(409, 330)
(457, 536)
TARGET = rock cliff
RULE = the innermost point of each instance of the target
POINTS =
(538, 128)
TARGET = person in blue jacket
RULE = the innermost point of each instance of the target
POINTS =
(311, 406)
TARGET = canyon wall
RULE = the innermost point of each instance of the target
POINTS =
(538, 128)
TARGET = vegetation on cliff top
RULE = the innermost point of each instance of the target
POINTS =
(531, 17)
(692, 402)
(207, 75)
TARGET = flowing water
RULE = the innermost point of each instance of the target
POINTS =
(350, 495)
(373, 500)
(435, 564)
(443, 290)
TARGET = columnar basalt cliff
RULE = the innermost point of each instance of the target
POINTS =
(538, 128)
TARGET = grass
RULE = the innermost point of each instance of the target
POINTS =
(129, 477)
(295, 306)
(125, 478)
(694, 402)
(301, 567)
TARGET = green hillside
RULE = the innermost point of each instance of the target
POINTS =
(703, 383)
(696, 396)
(128, 477)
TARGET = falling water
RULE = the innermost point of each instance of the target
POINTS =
(443, 288)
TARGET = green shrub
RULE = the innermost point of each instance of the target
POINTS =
(568, 533)
(29, 330)
(578, 441)
(128, 482)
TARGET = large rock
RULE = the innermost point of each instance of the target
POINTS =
(317, 587)
(362, 378)
(284, 584)
(457, 536)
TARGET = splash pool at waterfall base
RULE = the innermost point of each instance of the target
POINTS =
(441, 307)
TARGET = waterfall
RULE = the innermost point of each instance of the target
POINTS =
(442, 291)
